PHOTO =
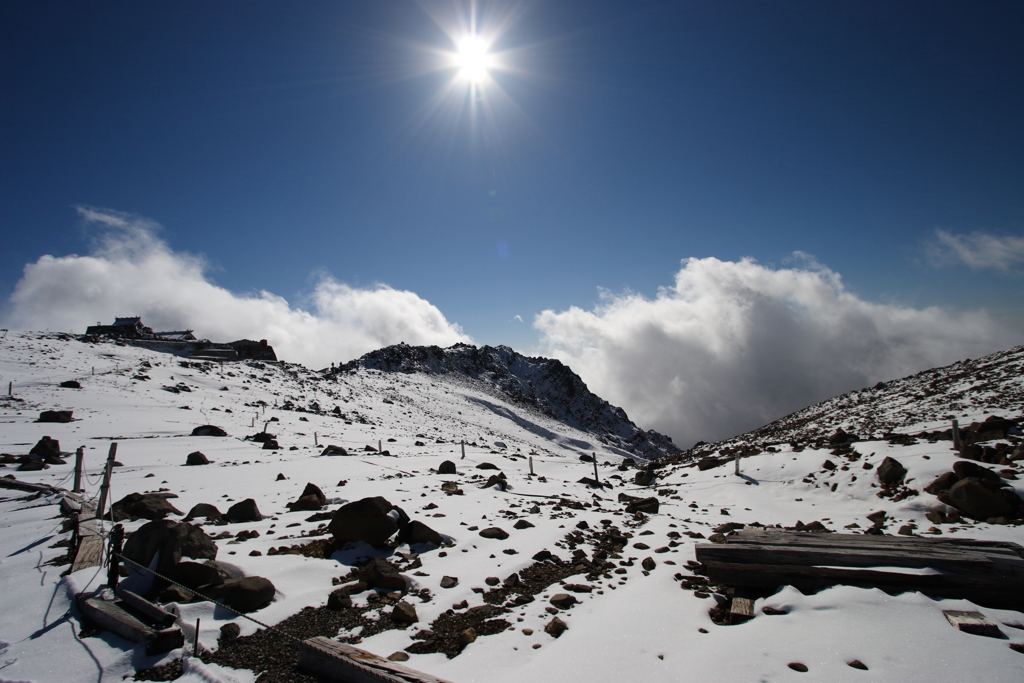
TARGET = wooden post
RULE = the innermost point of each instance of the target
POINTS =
(531, 465)
(195, 641)
(105, 486)
(114, 555)
(957, 445)
(316, 439)
(463, 444)
(265, 425)
(10, 388)
(596, 478)
(79, 457)
(736, 461)
(379, 449)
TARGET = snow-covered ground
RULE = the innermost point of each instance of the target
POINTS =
(632, 626)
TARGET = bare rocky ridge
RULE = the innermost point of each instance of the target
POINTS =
(543, 384)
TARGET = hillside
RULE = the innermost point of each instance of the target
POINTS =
(621, 577)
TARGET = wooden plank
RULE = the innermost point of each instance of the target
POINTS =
(336, 661)
(990, 590)
(741, 609)
(155, 612)
(975, 623)
(90, 553)
(755, 553)
(867, 540)
(109, 616)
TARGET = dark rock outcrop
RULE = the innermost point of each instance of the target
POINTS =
(173, 540)
(369, 519)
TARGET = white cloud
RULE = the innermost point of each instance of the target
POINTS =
(517, 318)
(131, 271)
(977, 250)
(732, 346)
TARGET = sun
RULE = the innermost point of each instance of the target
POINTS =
(472, 59)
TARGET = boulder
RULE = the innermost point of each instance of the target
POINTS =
(145, 505)
(563, 600)
(943, 482)
(196, 458)
(245, 595)
(840, 437)
(966, 468)
(404, 613)
(70, 384)
(976, 499)
(643, 478)
(339, 600)
(646, 505)
(230, 631)
(709, 463)
(522, 524)
(55, 416)
(208, 430)
(271, 445)
(418, 532)
(447, 467)
(334, 450)
(496, 480)
(173, 540)
(449, 582)
(486, 466)
(46, 448)
(555, 627)
(245, 511)
(193, 575)
(379, 573)
(891, 471)
(204, 511)
(30, 464)
(373, 520)
(494, 532)
(312, 499)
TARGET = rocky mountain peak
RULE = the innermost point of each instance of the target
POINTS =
(543, 384)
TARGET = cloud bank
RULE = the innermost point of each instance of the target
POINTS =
(131, 271)
(732, 346)
(978, 250)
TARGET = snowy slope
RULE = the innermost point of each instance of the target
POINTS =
(633, 624)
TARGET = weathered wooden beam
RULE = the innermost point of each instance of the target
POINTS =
(108, 615)
(954, 560)
(990, 590)
(90, 552)
(155, 612)
(741, 609)
(336, 661)
(972, 622)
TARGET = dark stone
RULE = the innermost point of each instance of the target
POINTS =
(55, 416)
(339, 600)
(404, 613)
(245, 595)
(271, 445)
(173, 540)
(486, 466)
(841, 437)
(246, 511)
(46, 448)
(205, 511)
(966, 468)
(32, 465)
(379, 573)
(555, 627)
(709, 463)
(496, 480)
(645, 505)
(366, 520)
(306, 503)
(447, 467)
(643, 478)
(943, 482)
(449, 582)
(418, 532)
(563, 600)
(230, 631)
(522, 524)
(975, 499)
(196, 458)
(70, 384)
(649, 564)
(828, 465)
(192, 575)
(145, 505)
(334, 450)
(891, 471)
(494, 532)
(208, 430)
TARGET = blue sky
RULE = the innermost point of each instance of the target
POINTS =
(286, 143)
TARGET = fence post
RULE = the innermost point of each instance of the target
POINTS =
(531, 465)
(79, 457)
(463, 444)
(114, 556)
(596, 478)
(316, 439)
(957, 444)
(105, 487)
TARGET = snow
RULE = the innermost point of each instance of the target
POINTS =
(631, 627)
